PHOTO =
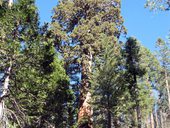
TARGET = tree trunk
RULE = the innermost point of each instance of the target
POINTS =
(85, 110)
(116, 123)
(138, 110)
(161, 119)
(4, 88)
(2, 114)
(109, 119)
(147, 122)
(151, 121)
(167, 124)
(109, 125)
(156, 120)
(70, 118)
(167, 88)
(133, 118)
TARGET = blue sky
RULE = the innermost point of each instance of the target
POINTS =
(141, 23)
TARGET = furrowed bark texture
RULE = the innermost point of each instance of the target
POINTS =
(85, 110)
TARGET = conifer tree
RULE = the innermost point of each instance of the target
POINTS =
(32, 72)
(87, 24)
(163, 55)
(148, 83)
(109, 91)
(132, 49)
(140, 74)
(111, 75)
(9, 48)
(164, 58)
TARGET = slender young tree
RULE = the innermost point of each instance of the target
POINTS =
(109, 93)
(147, 68)
(163, 54)
(132, 54)
(140, 75)
(164, 57)
(150, 82)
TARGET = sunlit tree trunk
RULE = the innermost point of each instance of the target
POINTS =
(151, 120)
(156, 120)
(147, 123)
(161, 119)
(167, 88)
(4, 92)
(85, 110)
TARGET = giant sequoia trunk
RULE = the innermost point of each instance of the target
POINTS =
(3, 93)
(85, 110)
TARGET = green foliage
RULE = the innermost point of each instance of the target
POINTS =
(158, 4)
(141, 74)
(83, 28)
(37, 76)
(163, 55)
(45, 91)
(109, 90)
(88, 23)
(133, 56)
(34, 88)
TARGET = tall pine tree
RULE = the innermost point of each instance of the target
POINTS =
(134, 71)
(110, 96)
